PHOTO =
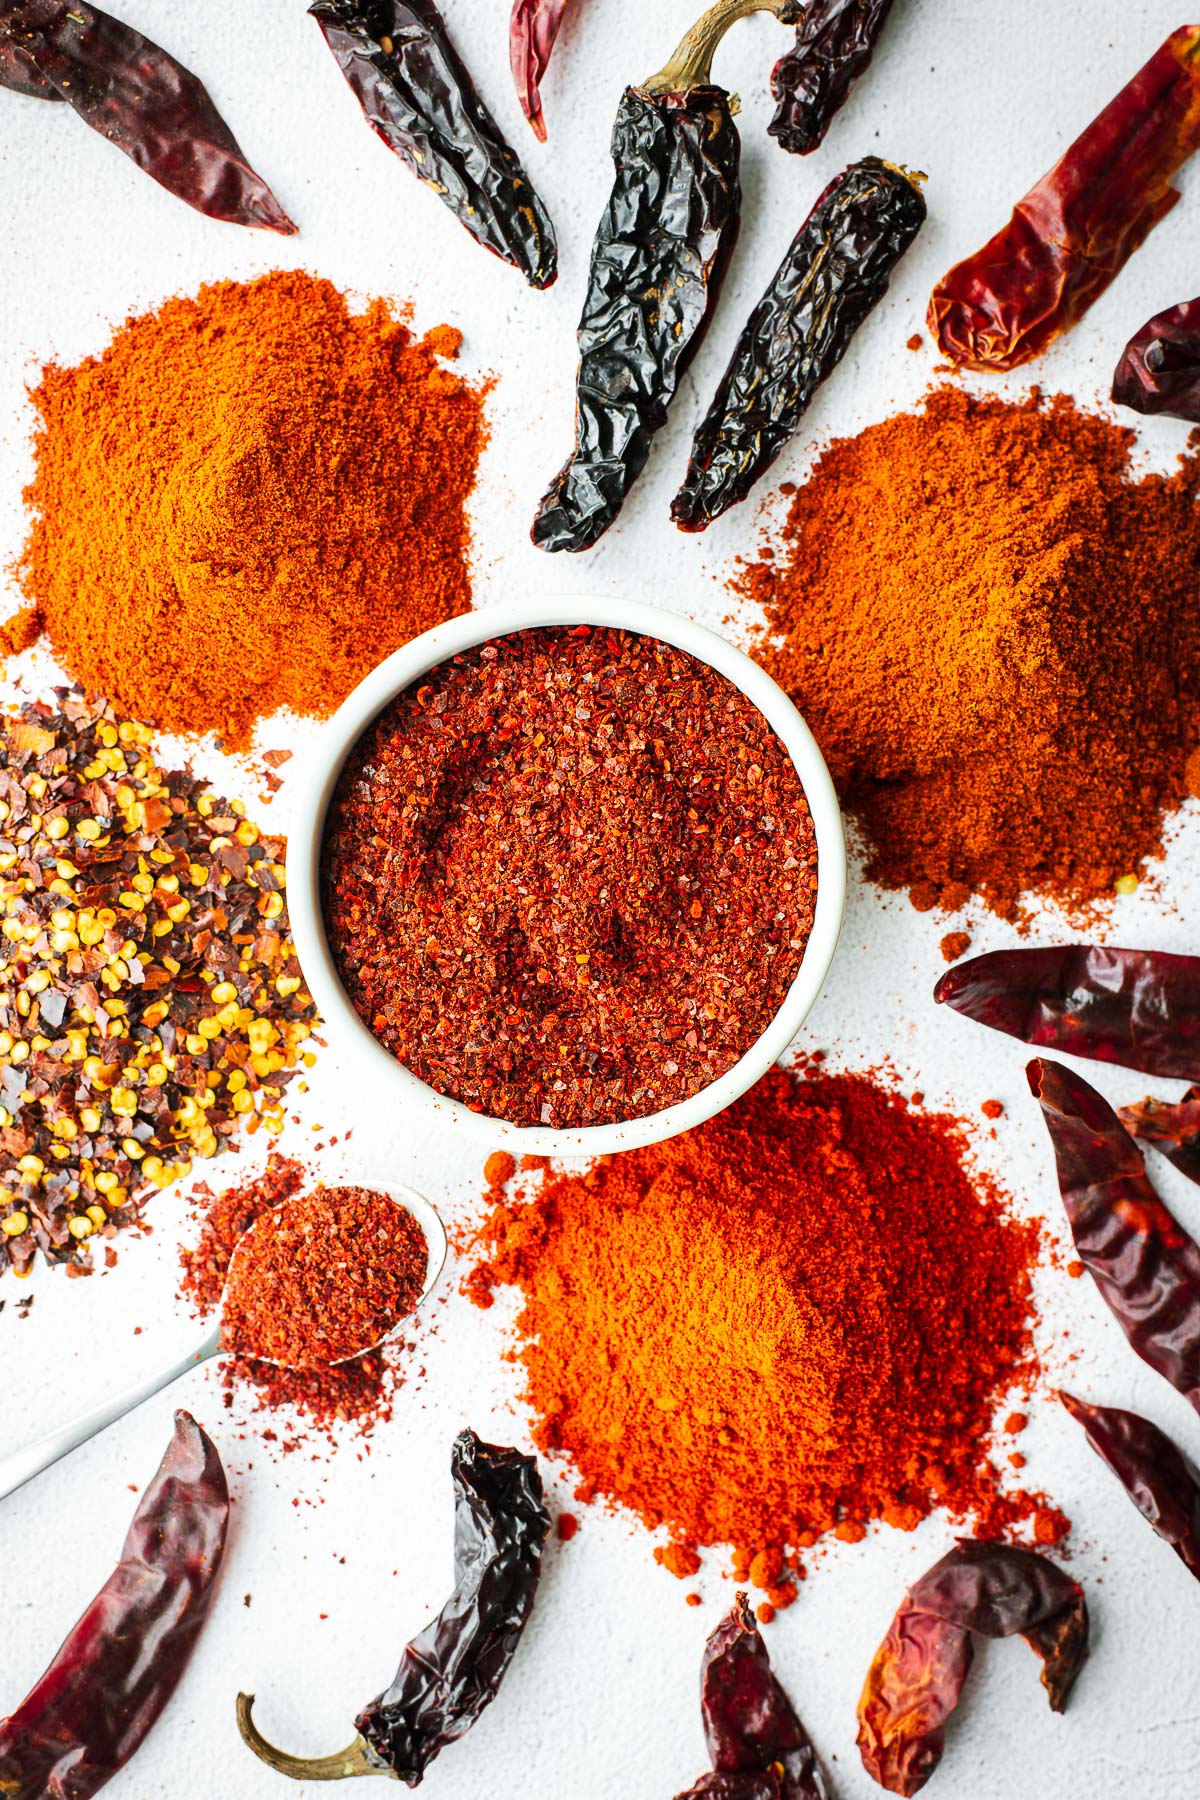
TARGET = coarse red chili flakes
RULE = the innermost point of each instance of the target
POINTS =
(569, 876)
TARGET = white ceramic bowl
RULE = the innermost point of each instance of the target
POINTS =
(351, 1037)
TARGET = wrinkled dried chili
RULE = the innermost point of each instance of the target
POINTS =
(1075, 230)
(835, 41)
(122, 1661)
(916, 1680)
(1161, 1481)
(139, 98)
(532, 33)
(20, 76)
(1159, 370)
(835, 273)
(1172, 1127)
(453, 1669)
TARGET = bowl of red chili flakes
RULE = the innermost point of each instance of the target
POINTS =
(570, 874)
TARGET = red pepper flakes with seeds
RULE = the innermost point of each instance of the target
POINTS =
(569, 877)
(150, 1001)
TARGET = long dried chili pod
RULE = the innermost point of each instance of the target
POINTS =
(1076, 229)
(118, 1667)
(1161, 1481)
(416, 92)
(1172, 1127)
(1139, 1008)
(835, 40)
(1145, 1265)
(658, 261)
(20, 76)
(450, 1671)
(532, 33)
(134, 94)
(835, 273)
(1159, 370)
(916, 1679)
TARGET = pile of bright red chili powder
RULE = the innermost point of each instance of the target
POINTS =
(796, 1319)
(569, 878)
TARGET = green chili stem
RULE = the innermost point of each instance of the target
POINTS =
(355, 1759)
(690, 66)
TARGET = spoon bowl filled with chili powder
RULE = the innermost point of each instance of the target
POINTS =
(570, 873)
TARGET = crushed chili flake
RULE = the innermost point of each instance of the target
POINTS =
(954, 945)
(569, 876)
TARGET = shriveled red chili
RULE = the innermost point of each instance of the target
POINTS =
(569, 878)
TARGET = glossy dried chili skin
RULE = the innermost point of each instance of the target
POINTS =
(917, 1676)
(1172, 1128)
(532, 32)
(1160, 1480)
(420, 98)
(835, 41)
(140, 99)
(1075, 230)
(712, 1786)
(452, 1669)
(1159, 370)
(120, 1664)
(836, 271)
(750, 1725)
(658, 261)
(20, 76)
(1146, 1267)
(1138, 1008)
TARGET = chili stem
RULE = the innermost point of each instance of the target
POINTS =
(690, 66)
(355, 1759)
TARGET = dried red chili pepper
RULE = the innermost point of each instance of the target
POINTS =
(118, 1667)
(1160, 1480)
(1139, 1008)
(139, 98)
(1172, 1127)
(835, 41)
(1159, 370)
(916, 1679)
(20, 76)
(532, 32)
(1145, 1265)
(1075, 230)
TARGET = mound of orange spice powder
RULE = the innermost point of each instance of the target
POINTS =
(796, 1319)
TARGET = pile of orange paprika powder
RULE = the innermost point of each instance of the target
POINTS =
(803, 1316)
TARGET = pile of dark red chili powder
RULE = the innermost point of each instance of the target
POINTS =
(796, 1319)
(569, 878)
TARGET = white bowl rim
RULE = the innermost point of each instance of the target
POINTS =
(318, 777)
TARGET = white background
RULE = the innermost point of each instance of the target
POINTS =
(601, 1699)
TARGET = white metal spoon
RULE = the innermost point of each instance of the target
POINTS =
(22, 1465)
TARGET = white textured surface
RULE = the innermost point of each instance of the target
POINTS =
(601, 1700)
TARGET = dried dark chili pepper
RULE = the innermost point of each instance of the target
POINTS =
(118, 1667)
(658, 260)
(1159, 370)
(916, 1680)
(755, 1740)
(139, 98)
(1160, 1480)
(1146, 1267)
(20, 76)
(1139, 1008)
(835, 41)
(452, 1669)
(532, 32)
(835, 273)
(416, 92)
(1173, 1128)
(1076, 229)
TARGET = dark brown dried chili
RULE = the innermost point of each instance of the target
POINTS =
(1139, 1008)
(20, 76)
(1159, 370)
(835, 41)
(835, 273)
(532, 32)
(118, 1667)
(916, 1679)
(450, 1671)
(417, 93)
(1173, 1128)
(1075, 230)
(134, 94)
(1160, 1480)
(1145, 1265)
(658, 261)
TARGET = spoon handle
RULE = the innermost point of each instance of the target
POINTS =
(22, 1465)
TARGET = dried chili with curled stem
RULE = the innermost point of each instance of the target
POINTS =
(658, 261)
(1139, 1008)
(1159, 370)
(118, 1667)
(836, 271)
(1160, 1480)
(1145, 1265)
(835, 41)
(450, 1671)
(532, 33)
(416, 92)
(1075, 230)
(134, 94)
(1173, 1128)
(915, 1682)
